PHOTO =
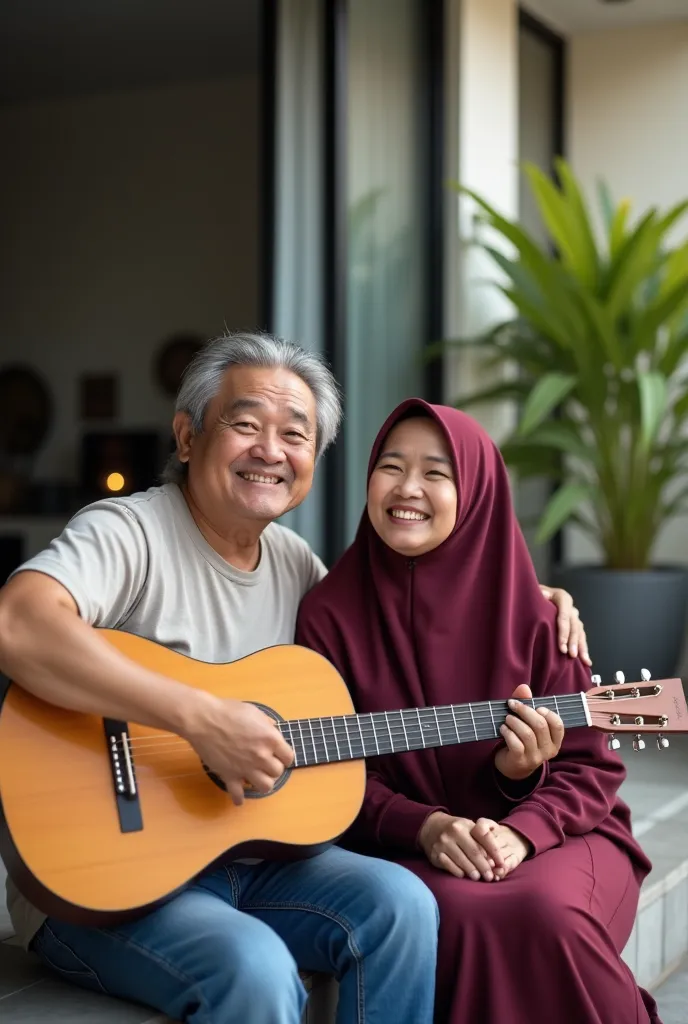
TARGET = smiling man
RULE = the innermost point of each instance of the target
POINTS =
(199, 565)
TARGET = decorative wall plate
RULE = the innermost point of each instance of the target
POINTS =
(27, 410)
(173, 358)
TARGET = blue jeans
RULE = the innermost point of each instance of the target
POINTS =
(226, 950)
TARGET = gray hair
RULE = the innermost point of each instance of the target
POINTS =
(205, 373)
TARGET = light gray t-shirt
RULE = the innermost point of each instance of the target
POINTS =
(142, 565)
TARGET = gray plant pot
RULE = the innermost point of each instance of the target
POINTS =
(633, 620)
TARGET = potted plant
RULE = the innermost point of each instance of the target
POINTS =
(596, 346)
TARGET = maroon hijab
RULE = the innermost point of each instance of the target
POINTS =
(464, 622)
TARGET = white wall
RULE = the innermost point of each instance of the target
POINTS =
(123, 218)
(628, 123)
(628, 111)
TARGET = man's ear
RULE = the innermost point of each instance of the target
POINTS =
(183, 435)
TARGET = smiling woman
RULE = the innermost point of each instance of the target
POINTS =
(524, 844)
(412, 492)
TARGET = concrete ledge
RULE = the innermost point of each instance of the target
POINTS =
(659, 940)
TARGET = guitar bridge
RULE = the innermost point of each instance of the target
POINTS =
(123, 772)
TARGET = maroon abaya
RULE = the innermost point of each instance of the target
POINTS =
(467, 622)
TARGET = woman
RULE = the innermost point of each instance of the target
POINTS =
(536, 872)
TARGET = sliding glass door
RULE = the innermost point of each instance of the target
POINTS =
(357, 240)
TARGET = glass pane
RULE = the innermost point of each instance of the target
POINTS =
(536, 125)
(298, 207)
(385, 274)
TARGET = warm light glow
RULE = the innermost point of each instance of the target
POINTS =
(115, 482)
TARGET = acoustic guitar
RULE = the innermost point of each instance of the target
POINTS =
(105, 819)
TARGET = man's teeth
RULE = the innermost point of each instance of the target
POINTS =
(401, 514)
(257, 478)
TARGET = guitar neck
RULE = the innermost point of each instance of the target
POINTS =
(352, 737)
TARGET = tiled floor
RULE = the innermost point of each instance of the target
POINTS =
(656, 789)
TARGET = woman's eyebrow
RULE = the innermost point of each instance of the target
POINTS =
(428, 458)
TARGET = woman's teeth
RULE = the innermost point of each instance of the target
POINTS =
(400, 514)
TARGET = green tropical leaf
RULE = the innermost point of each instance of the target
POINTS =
(606, 203)
(531, 461)
(653, 402)
(675, 213)
(680, 409)
(509, 390)
(543, 319)
(561, 506)
(675, 352)
(657, 314)
(617, 229)
(580, 217)
(564, 437)
(601, 323)
(520, 275)
(635, 258)
(543, 266)
(487, 340)
(569, 234)
(547, 394)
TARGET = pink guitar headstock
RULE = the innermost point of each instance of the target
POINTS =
(648, 706)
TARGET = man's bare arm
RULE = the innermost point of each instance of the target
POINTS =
(50, 651)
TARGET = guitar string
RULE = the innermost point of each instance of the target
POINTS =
(328, 734)
(326, 748)
(362, 724)
(317, 745)
(447, 712)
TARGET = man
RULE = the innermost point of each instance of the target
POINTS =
(200, 566)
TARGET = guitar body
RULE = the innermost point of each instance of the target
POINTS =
(61, 835)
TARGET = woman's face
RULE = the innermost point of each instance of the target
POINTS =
(412, 494)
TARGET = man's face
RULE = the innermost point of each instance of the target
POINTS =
(256, 455)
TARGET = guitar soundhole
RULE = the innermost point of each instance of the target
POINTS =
(249, 792)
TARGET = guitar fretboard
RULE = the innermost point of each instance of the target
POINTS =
(352, 737)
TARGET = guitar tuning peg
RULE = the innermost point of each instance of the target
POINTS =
(662, 742)
(645, 675)
(619, 677)
(638, 742)
(613, 743)
(597, 680)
